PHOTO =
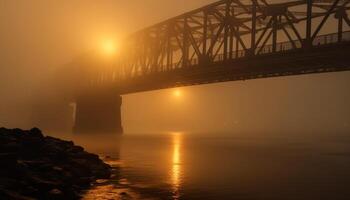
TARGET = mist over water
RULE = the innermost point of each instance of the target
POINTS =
(184, 165)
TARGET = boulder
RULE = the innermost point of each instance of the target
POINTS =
(37, 167)
(35, 132)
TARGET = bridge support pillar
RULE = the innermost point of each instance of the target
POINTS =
(98, 112)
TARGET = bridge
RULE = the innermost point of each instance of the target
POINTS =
(228, 40)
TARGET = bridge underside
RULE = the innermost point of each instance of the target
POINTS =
(330, 58)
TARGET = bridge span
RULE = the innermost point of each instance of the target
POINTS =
(225, 41)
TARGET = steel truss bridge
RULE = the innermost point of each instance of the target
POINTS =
(233, 40)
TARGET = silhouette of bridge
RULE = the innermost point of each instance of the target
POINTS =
(226, 41)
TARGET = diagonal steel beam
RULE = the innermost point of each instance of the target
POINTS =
(334, 5)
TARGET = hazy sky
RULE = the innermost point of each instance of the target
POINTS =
(37, 36)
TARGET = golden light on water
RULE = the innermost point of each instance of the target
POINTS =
(176, 164)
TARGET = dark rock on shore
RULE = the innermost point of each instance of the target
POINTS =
(33, 166)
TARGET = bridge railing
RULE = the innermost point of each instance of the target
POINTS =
(327, 39)
(331, 39)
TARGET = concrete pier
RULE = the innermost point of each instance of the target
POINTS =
(98, 112)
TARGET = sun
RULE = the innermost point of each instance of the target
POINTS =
(109, 47)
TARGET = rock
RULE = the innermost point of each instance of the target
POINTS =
(84, 181)
(42, 184)
(56, 192)
(38, 167)
(59, 169)
(10, 146)
(5, 194)
(35, 132)
(8, 160)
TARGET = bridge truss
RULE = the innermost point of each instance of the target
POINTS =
(215, 37)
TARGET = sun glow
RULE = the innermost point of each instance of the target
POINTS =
(109, 47)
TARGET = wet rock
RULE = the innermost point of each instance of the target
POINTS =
(35, 132)
(8, 158)
(37, 167)
(55, 194)
(5, 194)
(84, 181)
(10, 146)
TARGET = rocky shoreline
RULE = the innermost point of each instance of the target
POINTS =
(34, 166)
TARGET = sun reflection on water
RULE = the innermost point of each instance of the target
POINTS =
(176, 164)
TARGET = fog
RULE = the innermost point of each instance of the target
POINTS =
(39, 38)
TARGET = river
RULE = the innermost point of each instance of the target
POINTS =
(181, 165)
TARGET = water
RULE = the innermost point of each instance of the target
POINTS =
(183, 166)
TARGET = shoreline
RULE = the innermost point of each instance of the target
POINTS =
(35, 166)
